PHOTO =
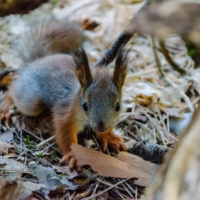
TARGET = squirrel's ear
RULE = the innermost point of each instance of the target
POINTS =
(83, 71)
(120, 71)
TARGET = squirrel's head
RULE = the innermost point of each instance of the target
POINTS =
(101, 91)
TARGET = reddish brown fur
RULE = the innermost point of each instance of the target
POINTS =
(84, 76)
(67, 126)
(119, 77)
(120, 69)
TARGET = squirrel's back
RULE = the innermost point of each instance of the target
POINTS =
(49, 75)
(47, 38)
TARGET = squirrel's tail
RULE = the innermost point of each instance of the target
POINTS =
(49, 37)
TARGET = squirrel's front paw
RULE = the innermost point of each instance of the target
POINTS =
(110, 139)
(71, 160)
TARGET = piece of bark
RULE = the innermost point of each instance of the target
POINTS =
(124, 166)
(150, 152)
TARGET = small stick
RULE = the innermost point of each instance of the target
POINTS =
(158, 64)
(187, 101)
(41, 140)
(45, 141)
(185, 97)
(102, 192)
(129, 77)
(169, 60)
(122, 39)
(194, 102)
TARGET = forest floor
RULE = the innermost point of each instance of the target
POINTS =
(156, 110)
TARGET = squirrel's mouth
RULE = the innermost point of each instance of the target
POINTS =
(100, 127)
(101, 130)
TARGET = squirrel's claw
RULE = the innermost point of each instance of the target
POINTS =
(71, 160)
(110, 139)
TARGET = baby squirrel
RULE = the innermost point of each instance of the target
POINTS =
(55, 75)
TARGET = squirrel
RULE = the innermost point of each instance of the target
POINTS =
(55, 75)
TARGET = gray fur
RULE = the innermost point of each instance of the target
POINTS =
(48, 81)
(102, 97)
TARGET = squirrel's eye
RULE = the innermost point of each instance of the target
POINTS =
(117, 107)
(85, 107)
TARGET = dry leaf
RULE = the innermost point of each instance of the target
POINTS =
(145, 100)
(130, 143)
(33, 186)
(196, 79)
(7, 80)
(173, 112)
(66, 170)
(108, 19)
(5, 147)
(146, 171)
(11, 165)
(141, 118)
(50, 179)
(11, 155)
(5, 186)
(129, 166)
(10, 190)
(7, 136)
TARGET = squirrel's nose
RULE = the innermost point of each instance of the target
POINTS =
(100, 126)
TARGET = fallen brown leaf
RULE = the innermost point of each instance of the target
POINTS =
(145, 100)
(10, 190)
(5, 147)
(11, 155)
(173, 112)
(4, 187)
(124, 166)
(146, 171)
(130, 144)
